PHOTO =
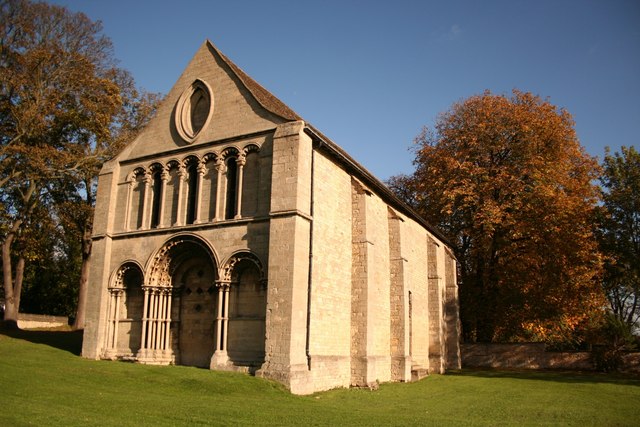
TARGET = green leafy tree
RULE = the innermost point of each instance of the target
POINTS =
(620, 233)
(64, 109)
(507, 181)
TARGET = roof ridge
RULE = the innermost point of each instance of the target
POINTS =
(265, 98)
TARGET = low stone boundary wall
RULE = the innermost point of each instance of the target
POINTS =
(535, 356)
(631, 363)
(35, 321)
(523, 356)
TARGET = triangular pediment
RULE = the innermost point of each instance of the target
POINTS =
(212, 100)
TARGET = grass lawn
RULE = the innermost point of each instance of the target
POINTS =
(43, 381)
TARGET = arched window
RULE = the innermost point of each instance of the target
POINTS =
(209, 190)
(200, 106)
(192, 191)
(247, 312)
(250, 185)
(193, 110)
(173, 185)
(125, 312)
(157, 196)
(138, 200)
(232, 191)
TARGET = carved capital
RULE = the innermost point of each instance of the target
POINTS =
(165, 176)
(147, 179)
(182, 172)
(222, 284)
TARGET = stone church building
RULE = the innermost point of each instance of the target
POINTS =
(233, 235)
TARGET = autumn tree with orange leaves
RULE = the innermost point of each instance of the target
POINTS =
(65, 107)
(508, 182)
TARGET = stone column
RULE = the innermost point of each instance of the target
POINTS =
(110, 316)
(127, 210)
(145, 323)
(202, 170)
(165, 177)
(220, 356)
(241, 161)
(225, 319)
(146, 203)
(112, 322)
(116, 319)
(182, 176)
(220, 168)
(167, 319)
(159, 339)
(156, 326)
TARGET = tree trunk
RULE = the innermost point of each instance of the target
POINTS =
(84, 279)
(17, 286)
(11, 307)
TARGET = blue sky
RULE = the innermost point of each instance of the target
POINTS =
(371, 74)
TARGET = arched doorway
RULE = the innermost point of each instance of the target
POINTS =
(124, 312)
(180, 304)
(195, 277)
(247, 311)
(241, 316)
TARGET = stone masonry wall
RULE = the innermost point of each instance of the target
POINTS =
(370, 320)
(35, 321)
(289, 249)
(535, 356)
(378, 234)
(95, 318)
(399, 303)
(330, 334)
(359, 288)
(436, 329)
(451, 310)
(415, 251)
(235, 111)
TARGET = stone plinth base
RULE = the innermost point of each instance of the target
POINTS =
(418, 372)
(156, 357)
(297, 378)
(401, 368)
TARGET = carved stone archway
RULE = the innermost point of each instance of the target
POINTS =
(124, 312)
(170, 309)
(241, 316)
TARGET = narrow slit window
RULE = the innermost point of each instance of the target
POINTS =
(192, 182)
(157, 193)
(232, 191)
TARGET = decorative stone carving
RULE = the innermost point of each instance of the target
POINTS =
(226, 272)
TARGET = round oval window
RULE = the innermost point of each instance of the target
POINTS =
(193, 110)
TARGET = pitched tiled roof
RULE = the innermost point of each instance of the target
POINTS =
(263, 96)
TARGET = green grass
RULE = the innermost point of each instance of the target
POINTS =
(43, 381)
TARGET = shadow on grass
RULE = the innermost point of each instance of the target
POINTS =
(70, 341)
(574, 377)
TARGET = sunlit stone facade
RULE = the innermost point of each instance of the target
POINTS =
(231, 234)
